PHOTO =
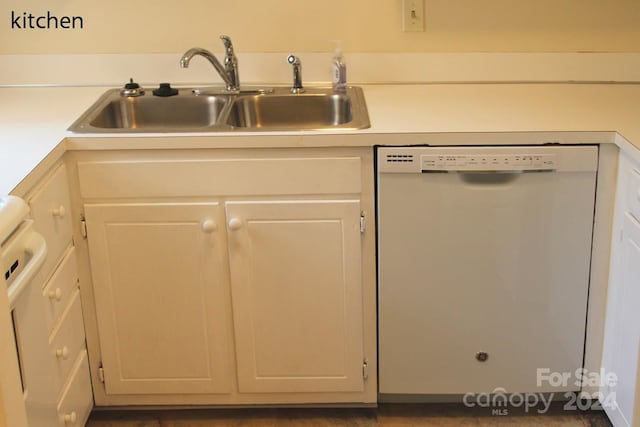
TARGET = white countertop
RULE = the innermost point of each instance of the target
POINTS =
(33, 124)
(34, 121)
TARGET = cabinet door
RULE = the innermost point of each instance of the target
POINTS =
(624, 348)
(297, 295)
(161, 294)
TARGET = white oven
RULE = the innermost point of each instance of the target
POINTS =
(24, 381)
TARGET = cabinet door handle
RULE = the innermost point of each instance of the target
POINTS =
(71, 418)
(235, 224)
(59, 212)
(55, 294)
(209, 226)
(62, 353)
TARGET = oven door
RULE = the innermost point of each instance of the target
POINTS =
(12, 410)
(23, 332)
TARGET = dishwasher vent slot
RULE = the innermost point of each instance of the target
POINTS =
(399, 158)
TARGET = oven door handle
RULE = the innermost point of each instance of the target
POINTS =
(37, 247)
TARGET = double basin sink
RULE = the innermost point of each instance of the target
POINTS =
(193, 110)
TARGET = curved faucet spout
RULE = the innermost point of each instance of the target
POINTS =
(230, 80)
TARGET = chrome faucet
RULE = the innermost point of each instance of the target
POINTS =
(297, 74)
(231, 62)
(228, 72)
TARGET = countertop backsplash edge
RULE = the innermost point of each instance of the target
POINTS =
(363, 68)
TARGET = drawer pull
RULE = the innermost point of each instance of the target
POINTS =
(59, 212)
(71, 418)
(55, 294)
(235, 224)
(62, 353)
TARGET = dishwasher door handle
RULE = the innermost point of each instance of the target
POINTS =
(486, 177)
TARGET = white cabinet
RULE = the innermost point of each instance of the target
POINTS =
(231, 276)
(49, 322)
(621, 353)
(297, 294)
(159, 278)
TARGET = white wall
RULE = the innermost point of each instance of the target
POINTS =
(368, 26)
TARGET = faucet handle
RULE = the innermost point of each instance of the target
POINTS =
(228, 46)
(231, 62)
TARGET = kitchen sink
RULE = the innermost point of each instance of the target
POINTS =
(309, 110)
(159, 113)
(216, 110)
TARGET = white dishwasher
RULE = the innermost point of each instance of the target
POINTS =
(483, 267)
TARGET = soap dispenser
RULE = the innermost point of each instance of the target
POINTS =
(339, 71)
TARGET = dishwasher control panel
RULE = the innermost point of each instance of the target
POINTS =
(466, 159)
(484, 162)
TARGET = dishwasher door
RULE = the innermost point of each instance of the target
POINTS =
(483, 267)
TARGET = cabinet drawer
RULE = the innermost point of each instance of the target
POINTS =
(633, 192)
(218, 177)
(76, 402)
(67, 341)
(50, 209)
(58, 291)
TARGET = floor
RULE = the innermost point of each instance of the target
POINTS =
(390, 415)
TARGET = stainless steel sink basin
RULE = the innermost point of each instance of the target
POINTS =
(219, 111)
(148, 113)
(310, 110)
